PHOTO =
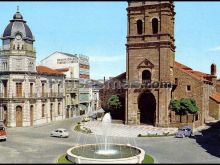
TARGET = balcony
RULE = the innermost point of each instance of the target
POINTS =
(55, 94)
(32, 95)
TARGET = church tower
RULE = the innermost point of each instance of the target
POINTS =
(17, 54)
(150, 59)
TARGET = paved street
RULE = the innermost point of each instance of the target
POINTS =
(34, 145)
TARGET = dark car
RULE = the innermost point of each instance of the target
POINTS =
(185, 131)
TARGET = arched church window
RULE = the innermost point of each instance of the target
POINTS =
(155, 25)
(139, 26)
(146, 76)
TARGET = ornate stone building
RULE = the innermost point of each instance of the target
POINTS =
(150, 60)
(29, 95)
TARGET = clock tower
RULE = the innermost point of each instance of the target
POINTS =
(17, 54)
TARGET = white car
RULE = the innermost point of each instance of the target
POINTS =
(60, 132)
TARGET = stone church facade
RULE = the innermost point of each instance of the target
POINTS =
(29, 94)
(150, 58)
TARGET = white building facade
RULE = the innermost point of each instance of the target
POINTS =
(29, 95)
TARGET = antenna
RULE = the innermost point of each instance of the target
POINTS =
(17, 9)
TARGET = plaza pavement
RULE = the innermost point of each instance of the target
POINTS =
(121, 130)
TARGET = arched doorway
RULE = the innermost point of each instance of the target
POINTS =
(31, 115)
(18, 116)
(147, 107)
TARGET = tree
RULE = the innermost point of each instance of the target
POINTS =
(175, 105)
(184, 106)
(188, 105)
(114, 102)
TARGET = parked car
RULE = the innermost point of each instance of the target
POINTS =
(60, 132)
(3, 135)
(185, 131)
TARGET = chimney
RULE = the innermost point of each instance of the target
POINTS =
(213, 69)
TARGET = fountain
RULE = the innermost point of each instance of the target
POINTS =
(106, 152)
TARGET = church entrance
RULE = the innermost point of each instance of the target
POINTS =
(147, 108)
(18, 116)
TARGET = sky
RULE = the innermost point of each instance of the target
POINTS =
(99, 29)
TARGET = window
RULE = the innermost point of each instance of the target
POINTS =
(155, 25)
(58, 88)
(5, 65)
(146, 76)
(42, 90)
(197, 117)
(188, 87)
(176, 81)
(139, 27)
(31, 89)
(5, 88)
(18, 89)
(58, 108)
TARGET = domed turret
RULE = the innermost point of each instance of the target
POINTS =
(17, 52)
(18, 26)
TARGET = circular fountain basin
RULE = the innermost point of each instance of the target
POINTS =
(119, 153)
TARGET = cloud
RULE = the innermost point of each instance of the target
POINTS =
(215, 49)
(106, 58)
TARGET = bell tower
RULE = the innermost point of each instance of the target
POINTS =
(150, 53)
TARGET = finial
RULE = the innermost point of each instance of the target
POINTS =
(17, 9)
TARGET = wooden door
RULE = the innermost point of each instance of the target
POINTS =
(31, 115)
(51, 112)
(18, 116)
